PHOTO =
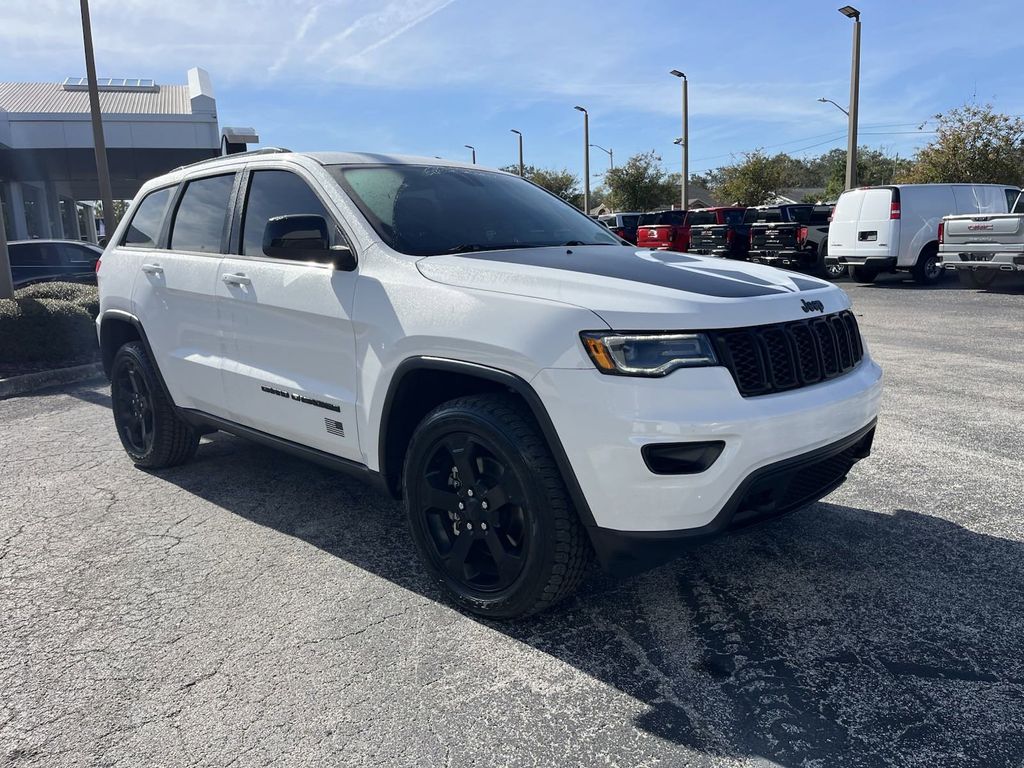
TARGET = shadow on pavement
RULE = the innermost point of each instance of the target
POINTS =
(837, 636)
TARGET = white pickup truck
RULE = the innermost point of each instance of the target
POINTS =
(980, 247)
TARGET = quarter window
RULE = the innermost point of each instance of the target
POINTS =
(199, 222)
(273, 194)
(147, 220)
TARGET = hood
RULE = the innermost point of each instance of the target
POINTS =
(634, 289)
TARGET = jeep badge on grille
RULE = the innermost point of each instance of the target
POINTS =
(812, 306)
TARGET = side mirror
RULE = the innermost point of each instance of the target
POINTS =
(342, 258)
(301, 237)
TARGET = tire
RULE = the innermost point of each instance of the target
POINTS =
(977, 278)
(152, 433)
(863, 274)
(504, 560)
(928, 270)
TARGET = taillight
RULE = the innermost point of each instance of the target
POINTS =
(894, 209)
(801, 235)
(942, 232)
(728, 237)
(100, 260)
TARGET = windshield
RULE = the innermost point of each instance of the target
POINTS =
(428, 210)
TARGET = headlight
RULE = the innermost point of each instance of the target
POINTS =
(648, 354)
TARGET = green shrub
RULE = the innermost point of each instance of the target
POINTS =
(45, 330)
(62, 291)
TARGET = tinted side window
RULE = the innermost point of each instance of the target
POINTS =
(1019, 206)
(273, 194)
(733, 217)
(32, 255)
(630, 221)
(145, 225)
(199, 222)
(77, 254)
(1011, 198)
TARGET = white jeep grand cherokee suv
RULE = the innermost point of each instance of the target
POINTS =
(536, 390)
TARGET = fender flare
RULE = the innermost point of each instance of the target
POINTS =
(122, 316)
(515, 383)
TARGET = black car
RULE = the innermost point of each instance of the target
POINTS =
(40, 261)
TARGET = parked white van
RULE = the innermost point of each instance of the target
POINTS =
(895, 228)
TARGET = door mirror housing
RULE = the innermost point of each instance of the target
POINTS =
(305, 237)
(342, 257)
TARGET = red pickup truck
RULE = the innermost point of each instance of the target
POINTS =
(670, 230)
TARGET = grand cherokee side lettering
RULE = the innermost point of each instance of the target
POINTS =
(302, 399)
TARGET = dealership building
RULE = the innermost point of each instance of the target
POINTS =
(47, 160)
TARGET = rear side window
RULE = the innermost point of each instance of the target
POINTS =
(273, 194)
(733, 217)
(1011, 198)
(199, 222)
(77, 254)
(34, 255)
(630, 221)
(147, 220)
(1019, 205)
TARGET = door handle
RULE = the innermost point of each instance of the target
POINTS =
(152, 269)
(237, 279)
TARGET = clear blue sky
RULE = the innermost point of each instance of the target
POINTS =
(427, 76)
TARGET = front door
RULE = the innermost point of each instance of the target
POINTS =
(292, 367)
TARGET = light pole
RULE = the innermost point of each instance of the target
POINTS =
(851, 141)
(520, 135)
(471, 149)
(586, 159)
(102, 171)
(609, 152)
(685, 142)
(823, 100)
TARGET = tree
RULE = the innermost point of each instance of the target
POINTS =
(972, 144)
(752, 180)
(640, 185)
(563, 182)
(874, 167)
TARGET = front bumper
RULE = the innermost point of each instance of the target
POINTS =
(766, 494)
(604, 422)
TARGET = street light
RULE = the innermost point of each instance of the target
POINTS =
(102, 170)
(684, 142)
(473, 150)
(609, 152)
(520, 135)
(851, 140)
(586, 159)
(823, 100)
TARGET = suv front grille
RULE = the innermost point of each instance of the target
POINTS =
(774, 358)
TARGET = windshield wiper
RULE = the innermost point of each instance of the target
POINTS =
(470, 247)
(580, 242)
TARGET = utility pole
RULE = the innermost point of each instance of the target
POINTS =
(6, 281)
(685, 181)
(610, 153)
(521, 167)
(102, 171)
(851, 140)
(586, 159)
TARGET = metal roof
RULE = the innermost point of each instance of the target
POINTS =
(52, 98)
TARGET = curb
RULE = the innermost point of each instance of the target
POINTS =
(30, 382)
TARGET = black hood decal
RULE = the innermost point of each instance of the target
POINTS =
(666, 269)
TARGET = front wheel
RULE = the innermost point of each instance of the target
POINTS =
(488, 509)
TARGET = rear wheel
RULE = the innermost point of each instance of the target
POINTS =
(488, 509)
(151, 432)
(864, 275)
(928, 270)
(977, 278)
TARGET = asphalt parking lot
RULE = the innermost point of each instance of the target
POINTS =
(251, 609)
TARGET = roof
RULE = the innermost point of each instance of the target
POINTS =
(377, 158)
(35, 98)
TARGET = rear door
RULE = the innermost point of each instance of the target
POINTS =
(876, 232)
(175, 291)
(33, 262)
(292, 366)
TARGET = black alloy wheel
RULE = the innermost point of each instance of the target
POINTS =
(133, 408)
(488, 509)
(475, 520)
(152, 432)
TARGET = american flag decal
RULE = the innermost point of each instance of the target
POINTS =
(335, 427)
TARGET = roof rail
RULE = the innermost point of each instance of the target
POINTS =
(260, 151)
